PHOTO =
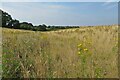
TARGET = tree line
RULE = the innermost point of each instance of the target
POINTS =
(9, 22)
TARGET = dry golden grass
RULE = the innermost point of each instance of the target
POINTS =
(89, 52)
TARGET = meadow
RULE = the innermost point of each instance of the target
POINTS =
(85, 52)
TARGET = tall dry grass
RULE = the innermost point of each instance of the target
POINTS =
(86, 52)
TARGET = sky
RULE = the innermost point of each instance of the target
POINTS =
(59, 0)
(63, 13)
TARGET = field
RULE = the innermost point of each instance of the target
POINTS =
(86, 52)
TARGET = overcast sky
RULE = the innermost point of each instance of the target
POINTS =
(64, 13)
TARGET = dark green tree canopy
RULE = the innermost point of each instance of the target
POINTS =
(6, 19)
(25, 25)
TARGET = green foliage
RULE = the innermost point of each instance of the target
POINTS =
(25, 25)
(11, 67)
(14, 24)
(6, 19)
(42, 27)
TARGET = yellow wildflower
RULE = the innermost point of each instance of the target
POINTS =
(79, 45)
(85, 49)
(79, 53)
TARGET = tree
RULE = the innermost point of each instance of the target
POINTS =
(14, 24)
(25, 25)
(42, 27)
(0, 18)
(6, 19)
